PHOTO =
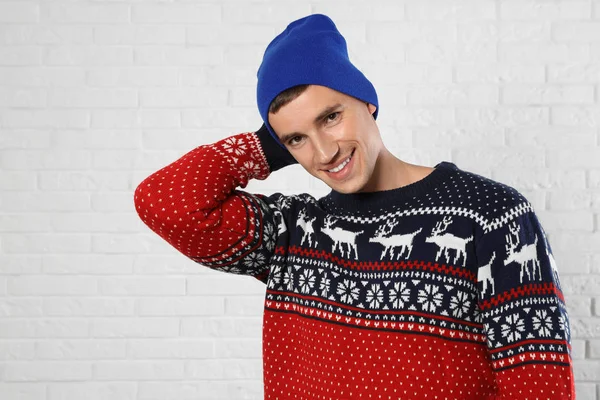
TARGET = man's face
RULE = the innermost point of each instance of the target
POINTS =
(321, 128)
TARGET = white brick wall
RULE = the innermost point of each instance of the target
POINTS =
(96, 95)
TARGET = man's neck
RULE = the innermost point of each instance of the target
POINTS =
(390, 173)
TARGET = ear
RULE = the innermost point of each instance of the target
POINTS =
(371, 108)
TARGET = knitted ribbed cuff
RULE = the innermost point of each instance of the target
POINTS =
(277, 157)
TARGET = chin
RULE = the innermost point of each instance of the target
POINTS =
(348, 187)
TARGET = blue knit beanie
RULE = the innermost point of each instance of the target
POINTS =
(309, 51)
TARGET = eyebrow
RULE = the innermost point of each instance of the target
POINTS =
(322, 115)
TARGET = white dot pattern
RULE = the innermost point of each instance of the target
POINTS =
(442, 289)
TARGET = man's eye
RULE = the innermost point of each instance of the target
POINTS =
(334, 114)
(291, 141)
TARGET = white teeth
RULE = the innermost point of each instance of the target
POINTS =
(341, 166)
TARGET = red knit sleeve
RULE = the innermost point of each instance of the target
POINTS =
(194, 204)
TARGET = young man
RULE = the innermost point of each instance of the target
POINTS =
(403, 282)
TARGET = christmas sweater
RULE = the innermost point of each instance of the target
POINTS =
(442, 289)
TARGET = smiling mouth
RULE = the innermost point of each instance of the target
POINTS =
(342, 164)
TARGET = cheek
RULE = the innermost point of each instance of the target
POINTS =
(302, 159)
(369, 153)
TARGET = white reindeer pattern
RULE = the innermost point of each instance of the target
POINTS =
(306, 225)
(523, 256)
(484, 274)
(404, 241)
(446, 241)
(340, 236)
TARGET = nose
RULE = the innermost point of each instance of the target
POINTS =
(325, 148)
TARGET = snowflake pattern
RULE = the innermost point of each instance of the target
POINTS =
(250, 168)
(275, 277)
(348, 291)
(400, 295)
(306, 281)
(542, 323)
(429, 298)
(459, 304)
(234, 145)
(269, 236)
(255, 260)
(513, 327)
(375, 296)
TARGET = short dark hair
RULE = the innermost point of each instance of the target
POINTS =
(286, 97)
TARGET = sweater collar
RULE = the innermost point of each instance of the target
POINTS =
(375, 201)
